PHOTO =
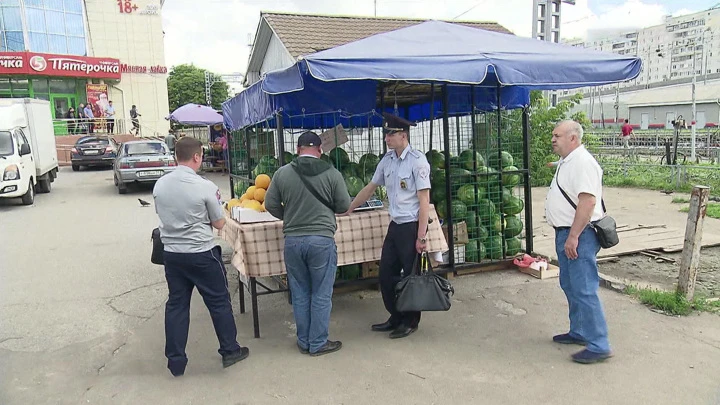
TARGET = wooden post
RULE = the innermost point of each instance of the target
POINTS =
(693, 237)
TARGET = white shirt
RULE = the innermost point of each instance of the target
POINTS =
(577, 173)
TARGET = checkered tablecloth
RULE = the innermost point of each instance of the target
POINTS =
(359, 238)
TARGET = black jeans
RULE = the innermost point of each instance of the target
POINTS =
(206, 271)
(398, 253)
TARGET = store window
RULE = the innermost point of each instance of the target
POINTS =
(11, 28)
(53, 26)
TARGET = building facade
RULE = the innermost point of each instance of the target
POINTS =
(72, 52)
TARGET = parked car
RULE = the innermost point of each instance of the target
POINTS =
(93, 151)
(141, 162)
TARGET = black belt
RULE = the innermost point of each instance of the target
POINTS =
(561, 228)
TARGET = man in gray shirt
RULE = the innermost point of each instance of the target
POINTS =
(170, 140)
(189, 207)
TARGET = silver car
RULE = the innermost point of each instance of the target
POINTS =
(141, 162)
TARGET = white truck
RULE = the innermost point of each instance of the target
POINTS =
(28, 156)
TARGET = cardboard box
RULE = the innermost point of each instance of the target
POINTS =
(248, 216)
(552, 271)
(371, 269)
(460, 233)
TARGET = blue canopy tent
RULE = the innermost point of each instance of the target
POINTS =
(434, 70)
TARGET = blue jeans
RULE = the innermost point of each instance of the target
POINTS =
(580, 281)
(311, 263)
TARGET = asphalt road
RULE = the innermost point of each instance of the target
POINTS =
(81, 321)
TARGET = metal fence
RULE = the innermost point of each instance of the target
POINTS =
(644, 165)
(104, 126)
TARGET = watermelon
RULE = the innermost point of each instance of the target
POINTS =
(512, 179)
(350, 272)
(288, 157)
(513, 226)
(475, 229)
(485, 209)
(381, 193)
(496, 223)
(436, 159)
(441, 209)
(437, 195)
(469, 195)
(240, 188)
(506, 159)
(513, 246)
(470, 159)
(326, 158)
(460, 176)
(266, 165)
(513, 206)
(352, 169)
(437, 179)
(472, 221)
(494, 248)
(482, 233)
(459, 211)
(368, 163)
(339, 157)
(471, 251)
(455, 161)
(354, 185)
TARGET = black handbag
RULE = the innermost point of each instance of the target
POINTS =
(423, 290)
(158, 248)
(605, 228)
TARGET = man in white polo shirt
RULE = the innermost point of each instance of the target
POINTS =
(579, 176)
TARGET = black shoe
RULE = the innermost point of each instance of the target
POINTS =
(566, 339)
(384, 327)
(402, 331)
(234, 357)
(588, 357)
(303, 351)
(328, 347)
(178, 372)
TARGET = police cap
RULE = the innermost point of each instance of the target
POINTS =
(393, 124)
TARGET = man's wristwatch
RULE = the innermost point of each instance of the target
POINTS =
(422, 240)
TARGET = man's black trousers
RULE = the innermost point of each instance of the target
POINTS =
(398, 253)
(206, 271)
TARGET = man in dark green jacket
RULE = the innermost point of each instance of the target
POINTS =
(309, 227)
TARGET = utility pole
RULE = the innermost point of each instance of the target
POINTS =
(375, 7)
(546, 25)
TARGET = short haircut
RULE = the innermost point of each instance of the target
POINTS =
(573, 128)
(626, 121)
(186, 148)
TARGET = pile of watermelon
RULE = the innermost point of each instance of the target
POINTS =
(356, 175)
(489, 207)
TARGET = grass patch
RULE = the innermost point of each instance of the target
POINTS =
(680, 200)
(670, 302)
(713, 210)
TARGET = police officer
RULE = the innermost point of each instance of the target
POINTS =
(405, 172)
(189, 208)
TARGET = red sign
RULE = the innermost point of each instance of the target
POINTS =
(42, 64)
(142, 69)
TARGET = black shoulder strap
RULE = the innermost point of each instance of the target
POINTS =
(567, 197)
(311, 189)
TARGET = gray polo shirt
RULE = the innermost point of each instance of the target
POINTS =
(186, 204)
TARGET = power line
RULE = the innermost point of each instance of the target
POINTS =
(468, 10)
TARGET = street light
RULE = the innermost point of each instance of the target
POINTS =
(694, 81)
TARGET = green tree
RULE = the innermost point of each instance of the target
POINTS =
(186, 84)
(543, 118)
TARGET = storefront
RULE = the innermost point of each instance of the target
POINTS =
(72, 52)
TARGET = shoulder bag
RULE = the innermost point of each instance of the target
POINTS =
(605, 227)
(158, 248)
(423, 290)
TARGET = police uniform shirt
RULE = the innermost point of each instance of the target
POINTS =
(577, 173)
(403, 176)
(187, 204)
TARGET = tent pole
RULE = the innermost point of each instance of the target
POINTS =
(280, 136)
(528, 189)
(382, 108)
(500, 171)
(448, 198)
(432, 112)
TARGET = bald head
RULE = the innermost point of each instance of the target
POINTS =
(566, 137)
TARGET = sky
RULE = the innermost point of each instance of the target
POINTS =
(217, 34)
